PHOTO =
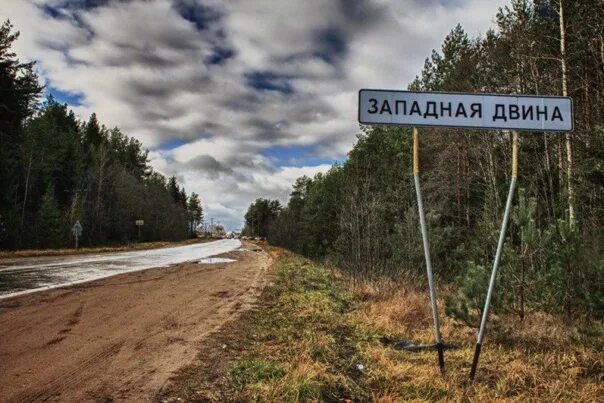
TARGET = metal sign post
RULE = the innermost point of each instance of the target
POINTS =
(426, 242)
(139, 224)
(504, 224)
(76, 230)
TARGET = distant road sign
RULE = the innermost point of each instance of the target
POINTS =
(485, 111)
(139, 224)
(77, 229)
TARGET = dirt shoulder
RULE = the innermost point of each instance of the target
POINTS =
(100, 249)
(122, 337)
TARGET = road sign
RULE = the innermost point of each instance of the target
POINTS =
(139, 224)
(480, 111)
(76, 230)
(486, 111)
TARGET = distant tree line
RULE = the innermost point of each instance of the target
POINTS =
(362, 214)
(56, 169)
(259, 215)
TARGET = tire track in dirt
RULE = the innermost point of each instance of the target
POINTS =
(71, 377)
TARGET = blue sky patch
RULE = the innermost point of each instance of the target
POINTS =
(269, 81)
(219, 55)
(171, 144)
(332, 45)
(201, 16)
(295, 156)
(72, 5)
(65, 97)
(50, 11)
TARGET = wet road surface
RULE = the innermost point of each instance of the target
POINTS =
(26, 275)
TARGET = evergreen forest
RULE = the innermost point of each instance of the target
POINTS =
(362, 214)
(56, 170)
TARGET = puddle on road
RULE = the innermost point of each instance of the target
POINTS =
(212, 260)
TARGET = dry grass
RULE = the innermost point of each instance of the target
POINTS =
(542, 359)
(102, 249)
(313, 328)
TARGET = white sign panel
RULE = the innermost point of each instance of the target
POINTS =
(140, 222)
(485, 111)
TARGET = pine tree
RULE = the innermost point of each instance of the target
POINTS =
(19, 89)
(174, 189)
(195, 212)
(93, 135)
(182, 198)
(467, 304)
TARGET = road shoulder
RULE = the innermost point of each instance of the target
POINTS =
(316, 335)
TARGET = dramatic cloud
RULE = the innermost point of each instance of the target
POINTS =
(235, 98)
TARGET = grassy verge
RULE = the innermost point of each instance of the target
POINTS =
(314, 337)
(100, 249)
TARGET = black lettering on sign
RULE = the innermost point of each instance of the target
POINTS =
(444, 108)
(373, 103)
(527, 112)
(396, 110)
(542, 112)
(415, 109)
(461, 111)
(500, 113)
(428, 113)
(557, 114)
(514, 112)
(386, 108)
(476, 109)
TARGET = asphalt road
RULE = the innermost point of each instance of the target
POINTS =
(26, 275)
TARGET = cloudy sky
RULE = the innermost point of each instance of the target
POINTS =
(237, 98)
